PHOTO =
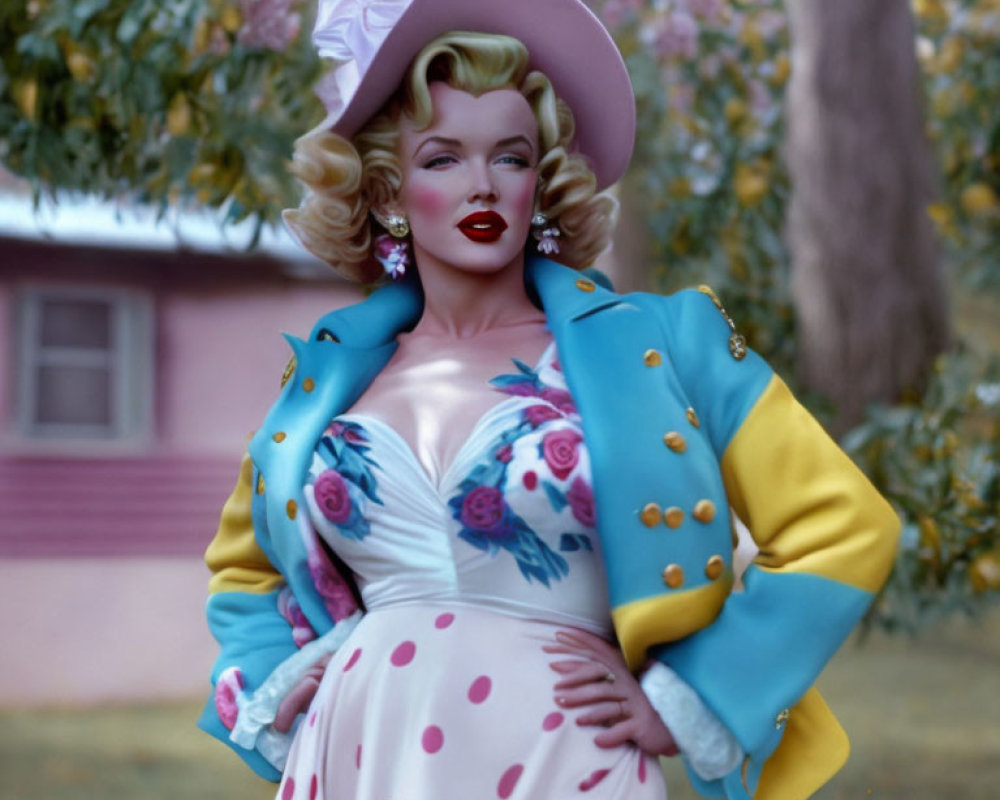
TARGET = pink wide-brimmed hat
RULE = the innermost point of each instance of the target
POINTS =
(376, 40)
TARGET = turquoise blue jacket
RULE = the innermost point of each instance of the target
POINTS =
(681, 427)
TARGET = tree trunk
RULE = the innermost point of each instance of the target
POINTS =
(866, 279)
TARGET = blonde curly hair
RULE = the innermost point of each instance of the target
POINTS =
(345, 179)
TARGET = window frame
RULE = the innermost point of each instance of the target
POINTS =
(129, 359)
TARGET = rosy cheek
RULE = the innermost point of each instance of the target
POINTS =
(427, 200)
(525, 200)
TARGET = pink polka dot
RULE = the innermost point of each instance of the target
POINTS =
(289, 790)
(403, 654)
(353, 659)
(313, 788)
(357, 757)
(444, 621)
(530, 480)
(480, 689)
(595, 778)
(433, 739)
(509, 780)
(312, 720)
(552, 721)
(642, 769)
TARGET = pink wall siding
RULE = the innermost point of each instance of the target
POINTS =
(221, 357)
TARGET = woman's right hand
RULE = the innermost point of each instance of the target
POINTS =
(300, 696)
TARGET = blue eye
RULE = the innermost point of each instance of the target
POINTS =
(518, 161)
(439, 161)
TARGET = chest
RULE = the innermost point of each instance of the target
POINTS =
(433, 392)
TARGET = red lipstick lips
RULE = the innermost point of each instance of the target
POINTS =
(484, 227)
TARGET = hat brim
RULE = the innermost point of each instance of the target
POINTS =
(565, 41)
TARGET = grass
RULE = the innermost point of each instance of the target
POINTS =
(924, 719)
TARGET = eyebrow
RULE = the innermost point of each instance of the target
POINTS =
(443, 140)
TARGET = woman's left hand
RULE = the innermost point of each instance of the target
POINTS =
(598, 679)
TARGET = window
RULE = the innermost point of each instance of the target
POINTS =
(84, 359)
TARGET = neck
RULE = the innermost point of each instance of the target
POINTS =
(462, 304)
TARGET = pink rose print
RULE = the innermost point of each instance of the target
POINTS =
(505, 454)
(484, 511)
(332, 498)
(561, 399)
(536, 415)
(336, 595)
(229, 685)
(560, 449)
(289, 608)
(581, 502)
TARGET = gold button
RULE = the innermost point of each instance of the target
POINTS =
(736, 539)
(650, 515)
(279, 437)
(585, 285)
(714, 567)
(308, 384)
(673, 576)
(782, 718)
(260, 484)
(693, 418)
(673, 516)
(675, 442)
(652, 358)
(292, 508)
(704, 511)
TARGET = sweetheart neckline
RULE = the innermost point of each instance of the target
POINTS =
(479, 423)
(368, 420)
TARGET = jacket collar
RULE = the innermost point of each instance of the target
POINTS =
(564, 294)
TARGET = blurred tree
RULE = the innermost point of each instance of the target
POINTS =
(191, 103)
(866, 273)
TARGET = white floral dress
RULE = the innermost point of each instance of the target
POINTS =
(443, 691)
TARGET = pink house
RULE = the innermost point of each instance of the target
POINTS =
(129, 381)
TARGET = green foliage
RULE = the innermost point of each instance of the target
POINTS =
(938, 462)
(959, 48)
(163, 103)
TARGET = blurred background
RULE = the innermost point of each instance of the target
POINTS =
(831, 169)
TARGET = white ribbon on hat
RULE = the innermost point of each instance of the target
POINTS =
(351, 32)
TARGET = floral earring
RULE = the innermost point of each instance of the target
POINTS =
(546, 235)
(391, 250)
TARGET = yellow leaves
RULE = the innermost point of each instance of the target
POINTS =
(752, 38)
(179, 115)
(979, 199)
(782, 71)
(231, 19)
(984, 573)
(735, 111)
(751, 183)
(80, 65)
(949, 57)
(930, 538)
(679, 188)
(943, 217)
(930, 10)
(26, 96)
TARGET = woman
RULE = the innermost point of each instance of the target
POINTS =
(498, 516)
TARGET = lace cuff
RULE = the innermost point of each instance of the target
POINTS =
(705, 743)
(252, 728)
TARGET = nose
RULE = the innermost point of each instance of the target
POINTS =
(482, 187)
